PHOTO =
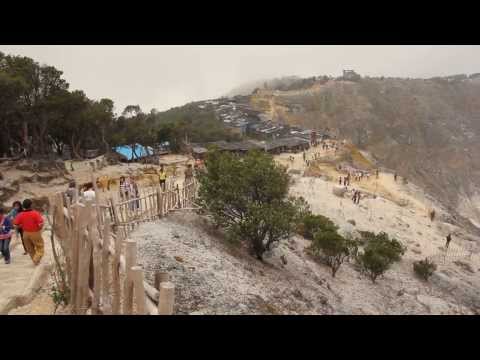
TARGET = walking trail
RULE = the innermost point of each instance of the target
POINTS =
(21, 280)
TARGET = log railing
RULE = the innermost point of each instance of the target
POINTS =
(99, 262)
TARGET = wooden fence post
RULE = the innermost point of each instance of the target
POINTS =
(166, 298)
(130, 261)
(161, 277)
(116, 275)
(139, 290)
(105, 266)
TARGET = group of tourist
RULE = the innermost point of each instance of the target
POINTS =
(86, 193)
(344, 180)
(27, 224)
(356, 196)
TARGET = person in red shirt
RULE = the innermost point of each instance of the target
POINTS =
(31, 222)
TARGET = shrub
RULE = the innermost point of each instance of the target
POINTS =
(424, 268)
(365, 237)
(379, 254)
(312, 224)
(248, 197)
(333, 248)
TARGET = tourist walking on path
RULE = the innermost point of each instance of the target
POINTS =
(162, 176)
(5, 235)
(89, 193)
(449, 238)
(432, 215)
(134, 192)
(376, 173)
(357, 198)
(124, 187)
(31, 222)
(71, 191)
(17, 209)
(395, 176)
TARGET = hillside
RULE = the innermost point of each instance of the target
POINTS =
(426, 130)
(215, 277)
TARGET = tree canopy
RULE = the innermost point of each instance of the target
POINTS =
(40, 115)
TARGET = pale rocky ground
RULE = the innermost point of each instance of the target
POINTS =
(212, 277)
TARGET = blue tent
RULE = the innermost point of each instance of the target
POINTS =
(140, 151)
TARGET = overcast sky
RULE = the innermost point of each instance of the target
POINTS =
(165, 76)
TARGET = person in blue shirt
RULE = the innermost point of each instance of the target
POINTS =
(17, 209)
(5, 235)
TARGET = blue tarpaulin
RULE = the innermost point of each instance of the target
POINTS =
(140, 151)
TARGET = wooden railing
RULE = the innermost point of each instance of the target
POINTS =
(99, 262)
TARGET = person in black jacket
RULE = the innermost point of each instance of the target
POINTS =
(449, 238)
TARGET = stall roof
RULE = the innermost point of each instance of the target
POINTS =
(140, 150)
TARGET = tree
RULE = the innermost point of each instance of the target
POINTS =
(333, 248)
(379, 254)
(312, 224)
(248, 197)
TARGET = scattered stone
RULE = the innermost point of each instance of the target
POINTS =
(298, 294)
(419, 233)
(178, 258)
(400, 292)
(416, 251)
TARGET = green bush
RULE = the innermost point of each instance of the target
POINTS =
(379, 254)
(248, 197)
(332, 248)
(424, 268)
(312, 224)
(365, 237)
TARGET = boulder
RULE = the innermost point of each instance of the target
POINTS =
(339, 190)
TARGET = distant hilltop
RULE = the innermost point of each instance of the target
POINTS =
(296, 82)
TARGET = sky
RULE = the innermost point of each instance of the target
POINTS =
(162, 77)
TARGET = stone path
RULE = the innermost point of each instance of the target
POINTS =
(20, 280)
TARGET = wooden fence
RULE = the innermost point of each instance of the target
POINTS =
(98, 263)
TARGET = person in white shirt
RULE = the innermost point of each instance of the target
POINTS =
(89, 194)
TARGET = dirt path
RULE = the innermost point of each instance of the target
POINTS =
(20, 280)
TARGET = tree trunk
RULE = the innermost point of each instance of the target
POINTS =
(75, 148)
